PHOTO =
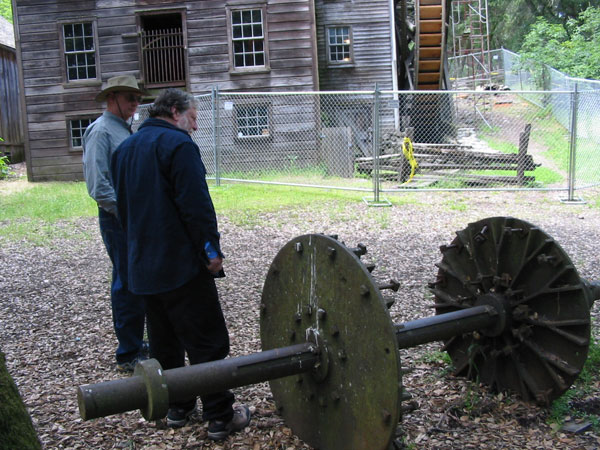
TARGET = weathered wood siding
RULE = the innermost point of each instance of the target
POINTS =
(10, 111)
(371, 41)
(290, 26)
(50, 101)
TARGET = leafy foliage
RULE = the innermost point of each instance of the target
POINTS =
(510, 20)
(573, 47)
(6, 10)
(4, 167)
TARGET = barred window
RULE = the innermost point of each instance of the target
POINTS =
(80, 51)
(339, 44)
(77, 127)
(163, 44)
(248, 38)
(252, 121)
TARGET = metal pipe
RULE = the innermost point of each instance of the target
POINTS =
(217, 376)
(376, 148)
(444, 326)
(118, 396)
(573, 144)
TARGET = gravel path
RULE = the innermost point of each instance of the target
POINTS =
(55, 323)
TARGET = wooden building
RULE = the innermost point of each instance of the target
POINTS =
(11, 130)
(67, 48)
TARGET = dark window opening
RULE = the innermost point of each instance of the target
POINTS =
(163, 47)
(77, 128)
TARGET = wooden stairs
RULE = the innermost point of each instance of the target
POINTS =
(430, 39)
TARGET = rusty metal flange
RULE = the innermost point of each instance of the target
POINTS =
(317, 290)
(156, 388)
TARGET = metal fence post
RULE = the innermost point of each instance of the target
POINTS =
(376, 150)
(216, 134)
(573, 148)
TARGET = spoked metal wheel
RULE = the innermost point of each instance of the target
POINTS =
(540, 347)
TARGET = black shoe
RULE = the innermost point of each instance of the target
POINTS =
(129, 366)
(178, 417)
(219, 429)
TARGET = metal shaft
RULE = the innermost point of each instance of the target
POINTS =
(444, 326)
(136, 392)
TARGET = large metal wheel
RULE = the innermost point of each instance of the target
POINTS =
(540, 348)
(318, 290)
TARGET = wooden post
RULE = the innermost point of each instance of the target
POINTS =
(522, 161)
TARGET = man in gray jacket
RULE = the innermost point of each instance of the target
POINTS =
(101, 138)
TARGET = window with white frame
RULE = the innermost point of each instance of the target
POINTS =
(248, 38)
(76, 128)
(339, 44)
(252, 120)
(80, 51)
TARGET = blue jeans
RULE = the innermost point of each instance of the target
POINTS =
(128, 310)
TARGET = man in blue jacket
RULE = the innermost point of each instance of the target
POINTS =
(166, 210)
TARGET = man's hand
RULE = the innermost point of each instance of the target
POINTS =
(216, 265)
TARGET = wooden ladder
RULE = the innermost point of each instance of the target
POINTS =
(429, 51)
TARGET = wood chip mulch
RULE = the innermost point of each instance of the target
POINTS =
(56, 326)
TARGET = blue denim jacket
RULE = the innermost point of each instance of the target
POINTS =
(164, 206)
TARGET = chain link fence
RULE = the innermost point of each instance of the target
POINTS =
(384, 141)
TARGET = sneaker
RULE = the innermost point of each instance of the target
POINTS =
(178, 417)
(129, 366)
(219, 429)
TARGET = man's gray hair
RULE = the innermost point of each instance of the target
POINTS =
(169, 98)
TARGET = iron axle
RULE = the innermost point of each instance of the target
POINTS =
(151, 389)
(444, 326)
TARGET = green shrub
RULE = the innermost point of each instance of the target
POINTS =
(4, 167)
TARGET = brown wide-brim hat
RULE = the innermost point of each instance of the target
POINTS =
(121, 83)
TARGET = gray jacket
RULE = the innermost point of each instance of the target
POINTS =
(100, 140)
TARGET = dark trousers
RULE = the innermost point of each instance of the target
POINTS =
(128, 309)
(189, 319)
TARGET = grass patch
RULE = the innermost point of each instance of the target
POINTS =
(576, 402)
(313, 175)
(500, 144)
(555, 138)
(595, 202)
(40, 212)
(245, 204)
(543, 175)
(436, 357)
(48, 201)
